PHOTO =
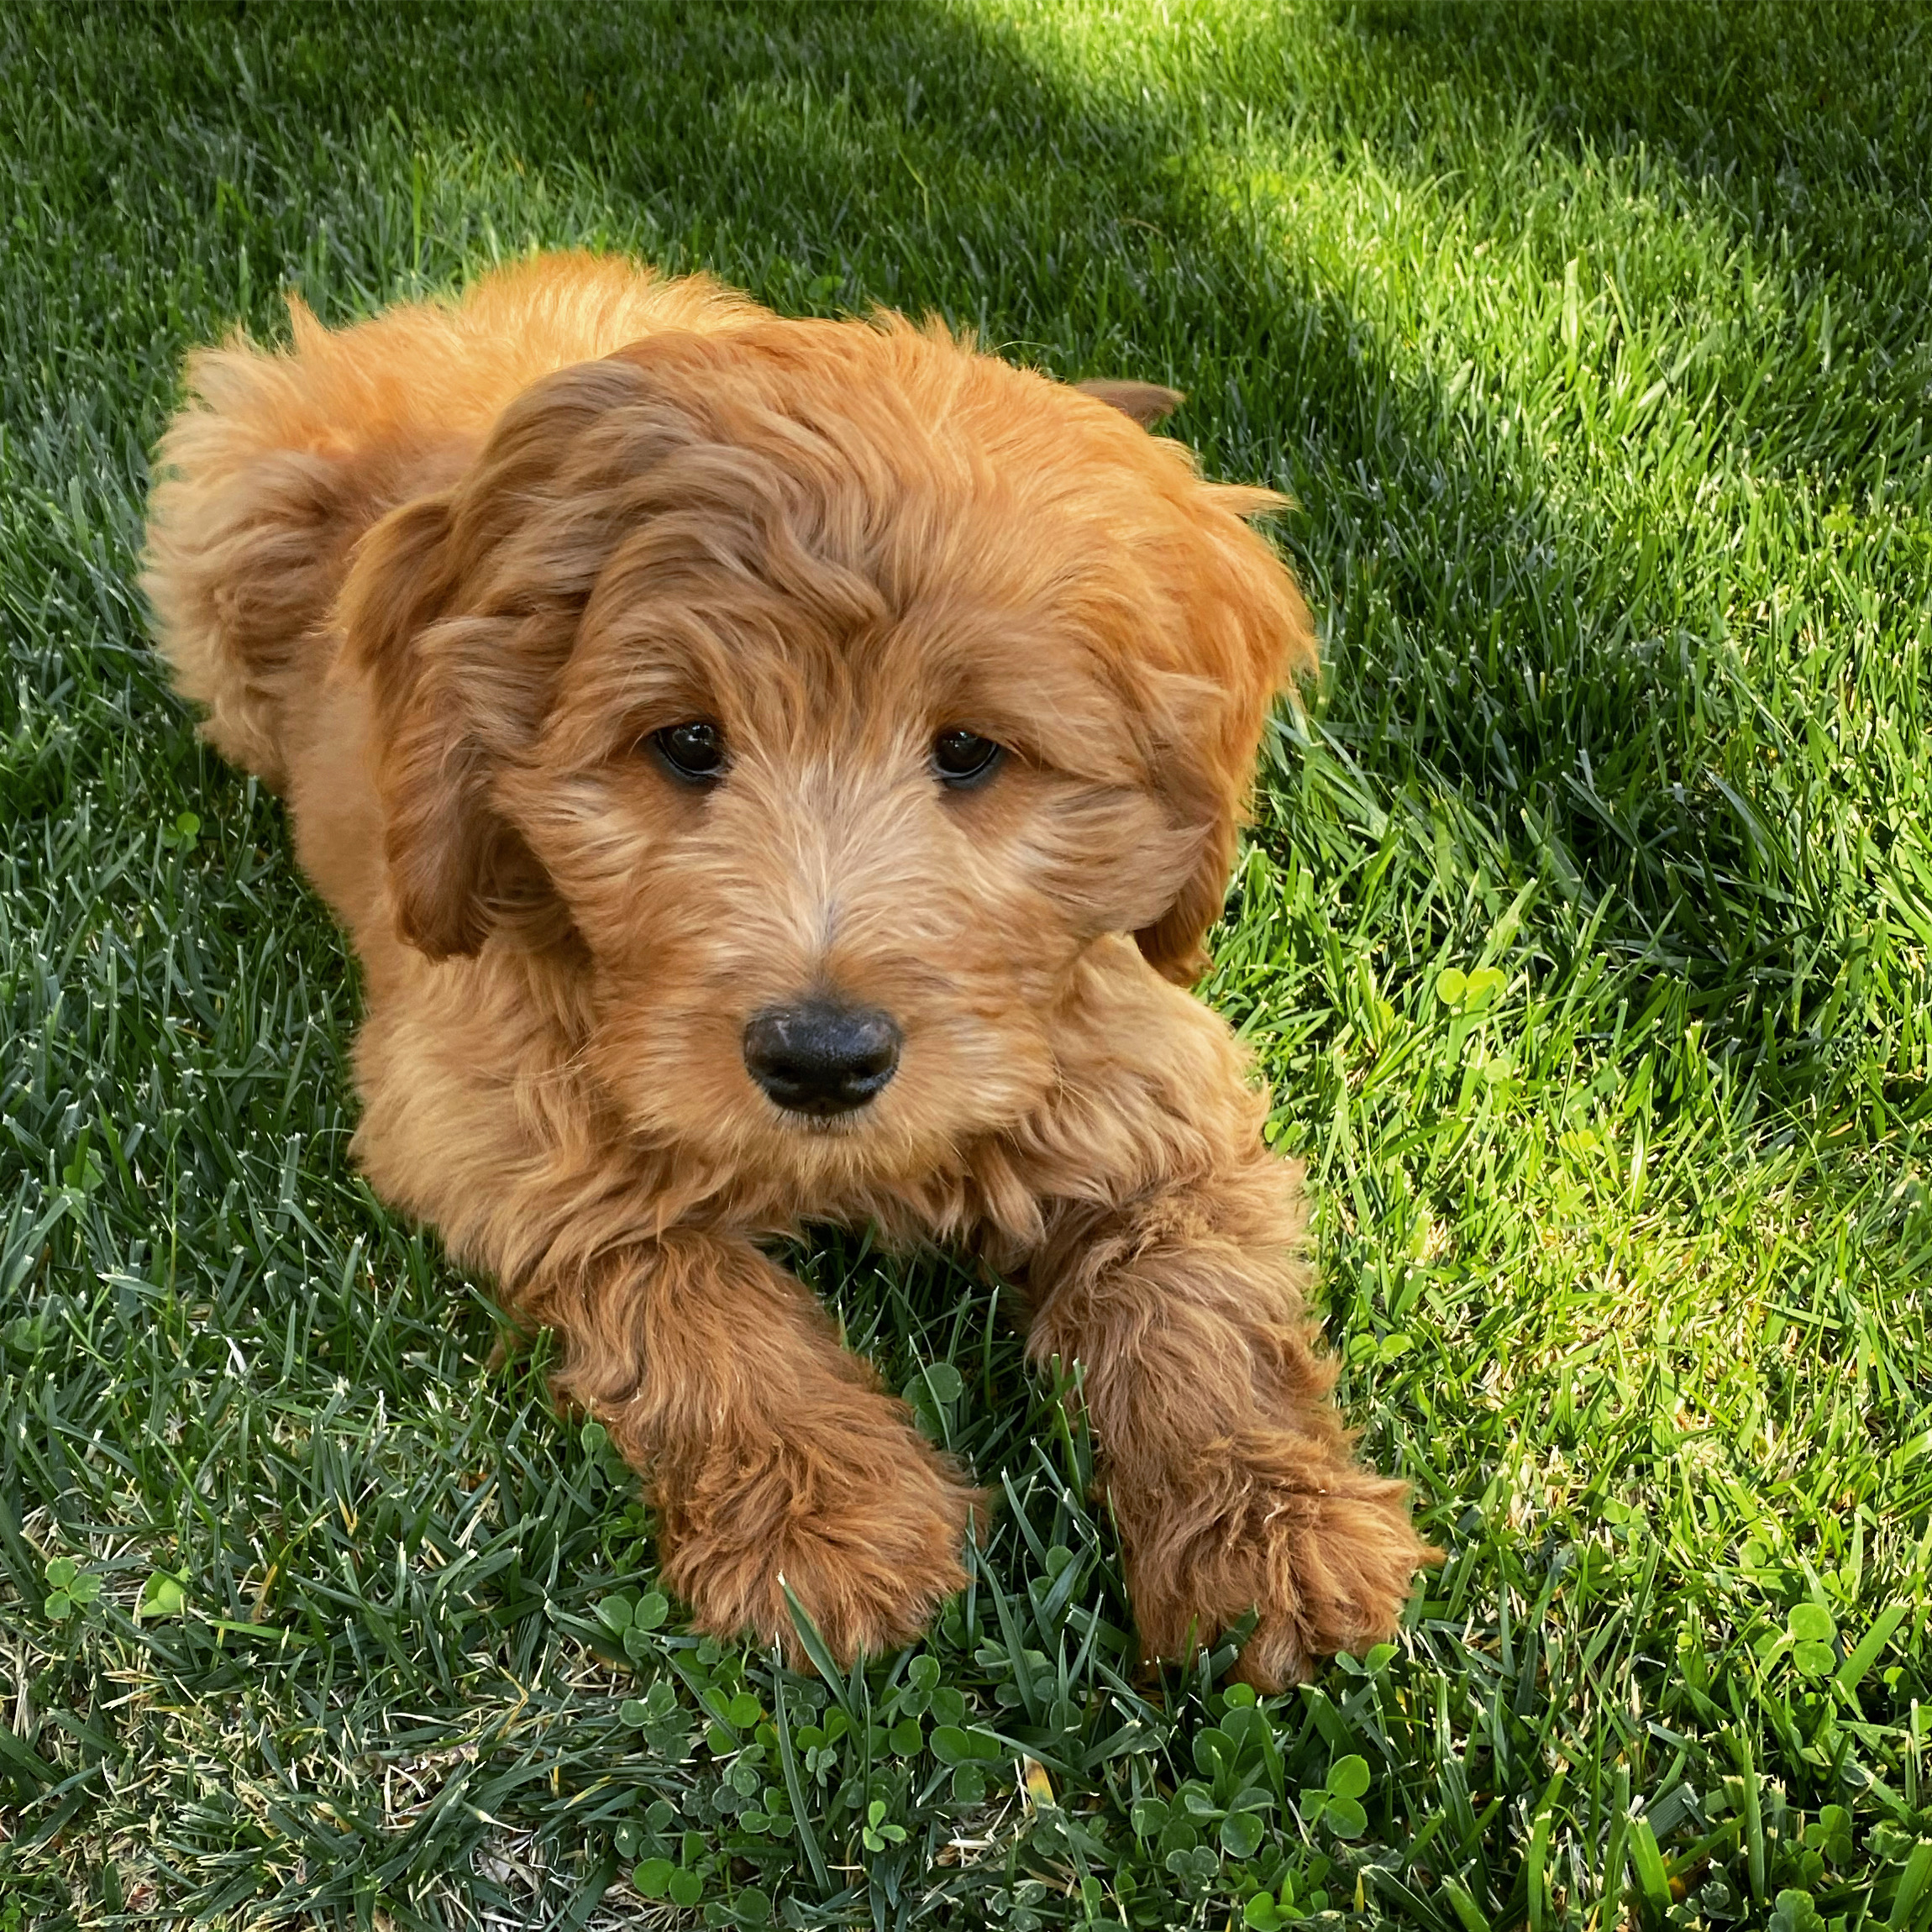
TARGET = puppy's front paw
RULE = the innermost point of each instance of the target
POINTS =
(1322, 1549)
(866, 1533)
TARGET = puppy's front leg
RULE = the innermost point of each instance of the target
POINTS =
(1227, 1468)
(772, 1454)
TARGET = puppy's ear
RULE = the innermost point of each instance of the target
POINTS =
(1248, 633)
(438, 835)
(1146, 402)
(461, 608)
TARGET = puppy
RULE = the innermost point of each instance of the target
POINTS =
(776, 771)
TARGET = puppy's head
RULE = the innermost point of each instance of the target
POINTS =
(837, 687)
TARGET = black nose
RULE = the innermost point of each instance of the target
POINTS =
(821, 1058)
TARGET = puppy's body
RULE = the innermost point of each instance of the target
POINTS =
(448, 578)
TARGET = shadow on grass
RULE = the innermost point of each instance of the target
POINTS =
(1779, 110)
(1775, 120)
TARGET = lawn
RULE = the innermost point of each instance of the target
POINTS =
(1582, 936)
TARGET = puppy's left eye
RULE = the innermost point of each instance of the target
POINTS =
(694, 751)
(963, 757)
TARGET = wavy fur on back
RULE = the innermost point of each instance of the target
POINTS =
(442, 577)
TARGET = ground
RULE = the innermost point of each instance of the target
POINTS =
(1583, 935)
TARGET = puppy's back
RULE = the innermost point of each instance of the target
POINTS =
(279, 461)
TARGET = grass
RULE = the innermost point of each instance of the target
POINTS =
(1583, 935)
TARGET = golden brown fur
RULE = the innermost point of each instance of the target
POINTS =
(440, 576)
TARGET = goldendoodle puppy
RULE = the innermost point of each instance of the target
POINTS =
(778, 771)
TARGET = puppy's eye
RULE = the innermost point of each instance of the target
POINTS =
(694, 751)
(963, 757)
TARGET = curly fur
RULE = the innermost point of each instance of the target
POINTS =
(438, 576)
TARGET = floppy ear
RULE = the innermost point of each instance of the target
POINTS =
(1146, 402)
(1248, 634)
(439, 837)
(460, 608)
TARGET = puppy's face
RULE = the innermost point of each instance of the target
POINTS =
(834, 689)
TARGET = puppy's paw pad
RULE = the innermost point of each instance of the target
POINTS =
(1325, 1561)
(1339, 1580)
(868, 1569)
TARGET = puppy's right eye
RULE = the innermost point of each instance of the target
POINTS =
(963, 758)
(694, 751)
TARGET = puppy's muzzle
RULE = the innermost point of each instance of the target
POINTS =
(820, 1057)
